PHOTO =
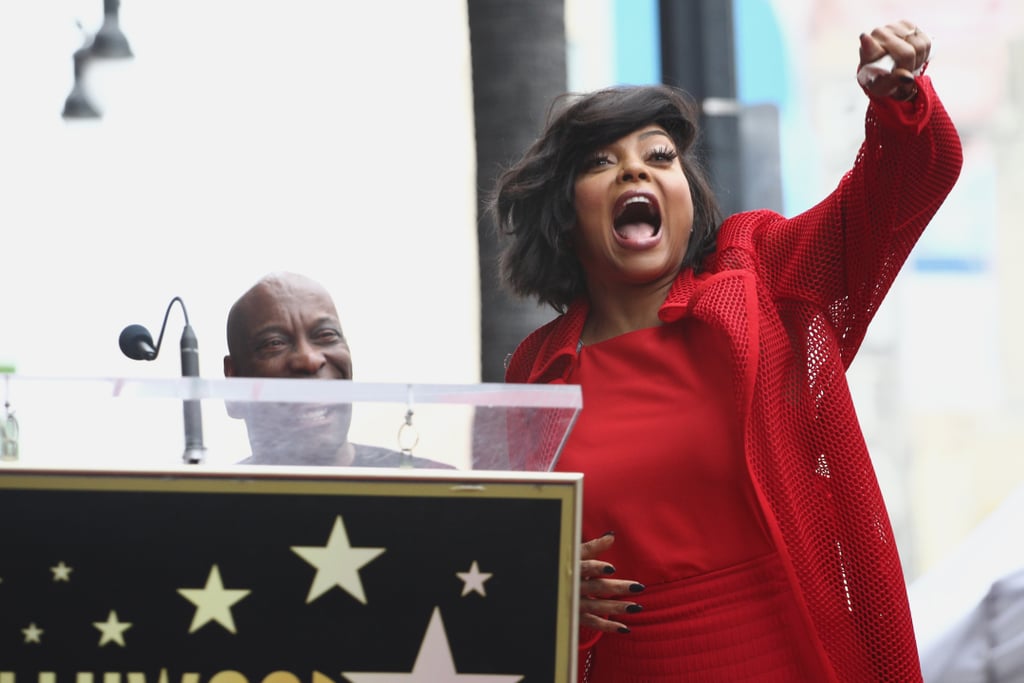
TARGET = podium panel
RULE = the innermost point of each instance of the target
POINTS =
(126, 422)
(286, 575)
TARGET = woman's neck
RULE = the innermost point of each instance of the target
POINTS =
(621, 310)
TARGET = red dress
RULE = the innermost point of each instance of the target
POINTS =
(789, 301)
(661, 450)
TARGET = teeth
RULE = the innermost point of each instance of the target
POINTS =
(314, 415)
(637, 199)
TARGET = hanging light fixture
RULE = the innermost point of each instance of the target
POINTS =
(108, 43)
(78, 105)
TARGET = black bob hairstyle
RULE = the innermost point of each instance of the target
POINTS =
(532, 202)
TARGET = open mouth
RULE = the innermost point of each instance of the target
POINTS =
(637, 218)
(312, 416)
(290, 417)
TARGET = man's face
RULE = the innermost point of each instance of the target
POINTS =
(289, 328)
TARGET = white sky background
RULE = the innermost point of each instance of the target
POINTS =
(330, 138)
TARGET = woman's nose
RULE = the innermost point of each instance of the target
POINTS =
(632, 170)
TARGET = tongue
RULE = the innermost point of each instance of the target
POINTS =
(635, 231)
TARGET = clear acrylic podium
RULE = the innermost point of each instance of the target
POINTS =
(451, 555)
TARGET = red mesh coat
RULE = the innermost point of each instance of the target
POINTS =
(794, 297)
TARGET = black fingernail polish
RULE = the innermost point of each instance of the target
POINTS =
(623, 629)
(634, 608)
(608, 569)
(636, 588)
(906, 79)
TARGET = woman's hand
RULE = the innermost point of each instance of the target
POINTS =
(909, 49)
(600, 595)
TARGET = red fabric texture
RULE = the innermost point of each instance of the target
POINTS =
(792, 299)
(662, 455)
(740, 624)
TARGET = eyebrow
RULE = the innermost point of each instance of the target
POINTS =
(283, 329)
(256, 336)
(656, 131)
(327, 321)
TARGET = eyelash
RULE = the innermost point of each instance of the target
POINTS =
(665, 154)
(657, 154)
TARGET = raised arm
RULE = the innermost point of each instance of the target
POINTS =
(842, 255)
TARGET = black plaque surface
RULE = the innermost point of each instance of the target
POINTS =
(252, 575)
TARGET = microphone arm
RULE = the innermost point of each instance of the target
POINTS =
(136, 343)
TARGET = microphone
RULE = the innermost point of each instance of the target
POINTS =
(194, 450)
(137, 343)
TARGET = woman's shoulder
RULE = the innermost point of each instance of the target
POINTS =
(744, 226)
(557, 338)
(741, 231)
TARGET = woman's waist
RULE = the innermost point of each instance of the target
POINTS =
(758, 579)
(738, 623)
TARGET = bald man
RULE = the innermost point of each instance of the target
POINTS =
(286, 325)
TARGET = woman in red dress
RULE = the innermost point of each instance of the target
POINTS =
(734, 527)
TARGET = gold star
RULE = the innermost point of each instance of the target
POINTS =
(61, 572)
(213, 602)
(33, 633)
(473, 580)
(112, 630)
(337, 564)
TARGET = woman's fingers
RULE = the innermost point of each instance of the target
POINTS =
(590, 566)
(601, 615)
(892, 56)
(921, 43)
(596, 623)
(908, 45)
(599, 605)
(870, 50)
(609, 588)
(594, 547)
